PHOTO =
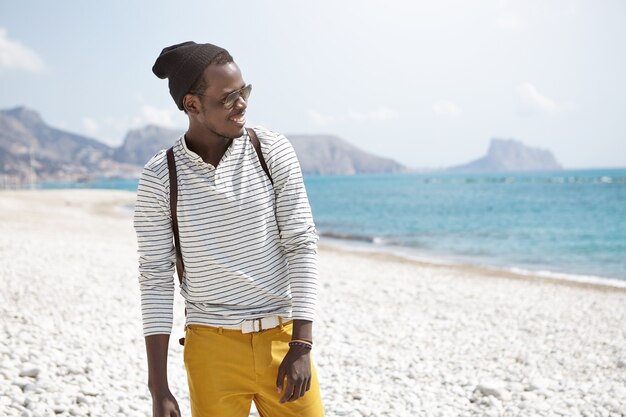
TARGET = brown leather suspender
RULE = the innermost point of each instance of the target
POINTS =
(257, 148)
(171, 165)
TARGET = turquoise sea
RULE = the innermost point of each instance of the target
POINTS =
(568, 224)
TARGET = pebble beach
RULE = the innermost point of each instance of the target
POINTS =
(394, 337)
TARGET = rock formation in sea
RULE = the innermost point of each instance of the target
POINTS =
(511, 155)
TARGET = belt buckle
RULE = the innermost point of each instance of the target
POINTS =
(250, 326)
(260, 324)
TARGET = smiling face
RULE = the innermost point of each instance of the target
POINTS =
(207, 109)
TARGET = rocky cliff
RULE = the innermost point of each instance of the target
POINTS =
(141, 144)
(511, 155)
(318, 154)
(331, 155)
(30, 150)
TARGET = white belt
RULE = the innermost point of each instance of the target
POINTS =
(256, 325)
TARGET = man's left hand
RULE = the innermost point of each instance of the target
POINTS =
(296, 366)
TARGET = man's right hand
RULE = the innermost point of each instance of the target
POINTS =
(163, 402)
(165, 405)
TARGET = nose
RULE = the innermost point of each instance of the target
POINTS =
(241, 103)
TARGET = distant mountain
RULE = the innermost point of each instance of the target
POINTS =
(32, 150)
(318, 154)
(331, 155)
(511, 155)
(141, 144)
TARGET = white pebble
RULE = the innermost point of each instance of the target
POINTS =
(30, 371)
(515, 387)
(540, 384)
(75, 411)
(491, 387)
(540, 405)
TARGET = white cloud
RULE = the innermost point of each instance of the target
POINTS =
(319, 118)
(446, 108)
(534, 99)
(90, 126)
(380, 114)
(111, 130)
(15, 56)
(153, 115)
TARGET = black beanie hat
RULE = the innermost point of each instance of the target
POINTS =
(182, 64)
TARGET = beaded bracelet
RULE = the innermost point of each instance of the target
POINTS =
(301, 344)
(303, 340)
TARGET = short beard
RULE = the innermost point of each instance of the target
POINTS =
(222, 135)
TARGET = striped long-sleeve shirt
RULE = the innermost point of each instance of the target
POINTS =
(249, 248)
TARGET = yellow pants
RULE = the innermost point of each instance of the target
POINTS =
(227, 370)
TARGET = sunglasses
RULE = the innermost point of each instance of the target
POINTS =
(232, 98)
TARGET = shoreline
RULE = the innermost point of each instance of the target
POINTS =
(330, 242)
(122, 202)
(600, 283)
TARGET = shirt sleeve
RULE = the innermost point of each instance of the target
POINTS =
(298, 235)
(157, 255)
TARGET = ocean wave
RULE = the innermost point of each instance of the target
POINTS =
(362, 244)
(586, 279)
(353, 237)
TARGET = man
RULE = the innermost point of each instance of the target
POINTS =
(249, 247)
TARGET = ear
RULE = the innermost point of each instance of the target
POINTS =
(191, 104)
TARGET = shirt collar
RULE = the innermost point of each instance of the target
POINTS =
(194, 157)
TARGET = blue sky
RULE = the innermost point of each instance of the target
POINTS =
(425, 83)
